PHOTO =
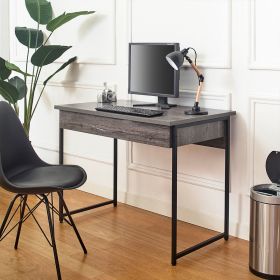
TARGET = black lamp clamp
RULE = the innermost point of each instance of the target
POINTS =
(176, 60)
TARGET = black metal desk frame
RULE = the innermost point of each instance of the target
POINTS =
(223, 143)
(114, 201)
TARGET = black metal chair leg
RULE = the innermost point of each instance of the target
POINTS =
(72, 222)
(61, 209)
(51, 225)
(8, 214)
(20, 221)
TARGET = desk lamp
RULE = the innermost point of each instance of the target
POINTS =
(176, 60)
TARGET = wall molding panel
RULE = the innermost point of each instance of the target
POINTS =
(222, 100)
(224, 63)
(182, 177)
(255, 63)
(73, 155)
(253, 103)
(78, 85)
(107, 57)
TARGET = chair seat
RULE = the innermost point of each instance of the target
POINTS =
(46, 179)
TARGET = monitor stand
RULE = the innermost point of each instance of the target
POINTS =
(162, 103)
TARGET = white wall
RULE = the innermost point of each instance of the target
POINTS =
(238, 45)
(4, 29)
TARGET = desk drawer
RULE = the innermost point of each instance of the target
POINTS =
(200, 133)
(145, 133)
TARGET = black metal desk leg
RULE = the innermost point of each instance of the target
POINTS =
(174, 198)
(61, 152)
(115, 183)
(227, 176)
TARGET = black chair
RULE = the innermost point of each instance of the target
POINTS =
(22, 172)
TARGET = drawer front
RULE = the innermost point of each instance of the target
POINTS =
(200, 133)
(115, 128)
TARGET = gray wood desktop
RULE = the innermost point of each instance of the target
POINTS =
(171, 130)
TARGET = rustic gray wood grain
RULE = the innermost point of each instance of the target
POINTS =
(207, 130)
(200, 133)
(122, 129)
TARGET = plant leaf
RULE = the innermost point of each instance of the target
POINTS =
(71, 60)
(29, 37)
(39, 10)
(20, 85)
(9, 92)
(48, 54)
(15, 68)
(64, 18)
(4, 72)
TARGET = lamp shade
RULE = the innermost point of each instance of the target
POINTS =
(175, 59)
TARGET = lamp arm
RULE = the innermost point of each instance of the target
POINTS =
(198, 92)
(200, 84)
(195, 68)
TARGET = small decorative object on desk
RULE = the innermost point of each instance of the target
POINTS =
(107, 95)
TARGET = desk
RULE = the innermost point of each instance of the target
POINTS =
(172, 130)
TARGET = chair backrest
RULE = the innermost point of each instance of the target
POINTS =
(16, 152)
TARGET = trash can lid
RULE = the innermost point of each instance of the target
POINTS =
(266, 193)
(273, 167)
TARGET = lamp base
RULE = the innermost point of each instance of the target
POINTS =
(196, 113)
(196, 110)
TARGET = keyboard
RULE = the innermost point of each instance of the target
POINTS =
(129, 111)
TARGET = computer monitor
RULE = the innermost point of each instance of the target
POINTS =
(150, 74)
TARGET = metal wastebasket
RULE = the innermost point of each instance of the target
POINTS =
(264, 257)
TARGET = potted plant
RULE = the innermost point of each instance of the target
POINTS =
(39, 54)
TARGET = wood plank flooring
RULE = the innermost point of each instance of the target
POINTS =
(124, 243)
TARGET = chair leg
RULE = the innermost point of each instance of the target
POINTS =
(8, 214)
(20, 222)
(72, 222)
(51, 225)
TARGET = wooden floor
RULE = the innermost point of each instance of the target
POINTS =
(124, 243)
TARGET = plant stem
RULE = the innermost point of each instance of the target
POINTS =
(31, 98)
(31, 91)
(38, 101)
(39, 69)
(28, 110)
(25, 80)
(36, 83)
(27, 117)
(16, 108)
(47, 39)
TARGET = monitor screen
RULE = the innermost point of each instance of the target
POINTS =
(149, 71)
